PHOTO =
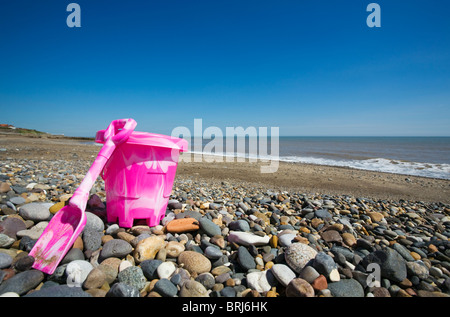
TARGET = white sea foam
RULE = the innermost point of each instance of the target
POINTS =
(430, 170)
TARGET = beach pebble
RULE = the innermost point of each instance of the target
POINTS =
(210, 228)
(182, 225)
(283, 273)
(115, 248)
(11, 225)
(34, 232)
(122, 290)
(346, 288)
(286, 239)
(150, 268)
(261, 281)
(299, 288)
(94, 223)
(132, 276)
(194, 262)
(35, 211)
(166, 269)
(59, 291)
(5, 260)
(165, 288)
(22, 282)
(95, 279)
(147, 248)
(193, 289)
(6, 241)
(297, 255)
(245, 259)
(247, 238)
(77, 272)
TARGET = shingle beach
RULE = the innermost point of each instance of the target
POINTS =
(227, 233)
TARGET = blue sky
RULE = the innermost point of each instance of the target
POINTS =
(307, 67)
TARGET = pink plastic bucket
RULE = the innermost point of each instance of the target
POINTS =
(139, 177)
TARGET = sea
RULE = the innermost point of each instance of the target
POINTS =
(417, 156)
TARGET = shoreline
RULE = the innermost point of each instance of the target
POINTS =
(304, 177)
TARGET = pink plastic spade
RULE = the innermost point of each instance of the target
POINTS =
(61, 232)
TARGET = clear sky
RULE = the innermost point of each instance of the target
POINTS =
(308, 67)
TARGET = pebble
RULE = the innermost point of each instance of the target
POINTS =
(35, 211)
(166, 269)
(247, 238)
(297, 255)
(150, 268)
(165, 288)
(283, 273)
(115, 248)
(22, 282)
(132, 276)
(245, 259)
(193, 289)
(210, 228)
(261, 281)
(147, 248)
(5, 260)
(299, 288)
(194, 262)
(346, 288)
(59, 291)
(77, 272)
(182, 225)
(122, 290)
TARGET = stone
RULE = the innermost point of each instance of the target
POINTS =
(192, 288)
(349, 239)
(213, 253)
(331, 236)
(245, 259)
(150, 268)
(35, 211)
(194, 262)
(115, 248)
(4, 187)
(297, 255)
(122, 290)
(285, 240)
(375, 216)
(165, 288)
(166, 269)
(147, 248)
(239, 225)
(283, 273)
(206, 279)
(324, 264)
(56, 207)
(346, 288)
(247, 238)
(59, 291)
(132, 276)
(262, 281)
(182, 225)
(6, 241)
(92, 240)
(17, 200)
(174, 248)
(22, 282)
(95, 279)
(298, 287)
(23, 263)
(323, 214)
(392, 264)
(209, 227)
(320, 283)
(417, 268)
(34, 232)
(77, 272)
(11, 225)
(94, 222)
(5, 261)
(309, 274)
